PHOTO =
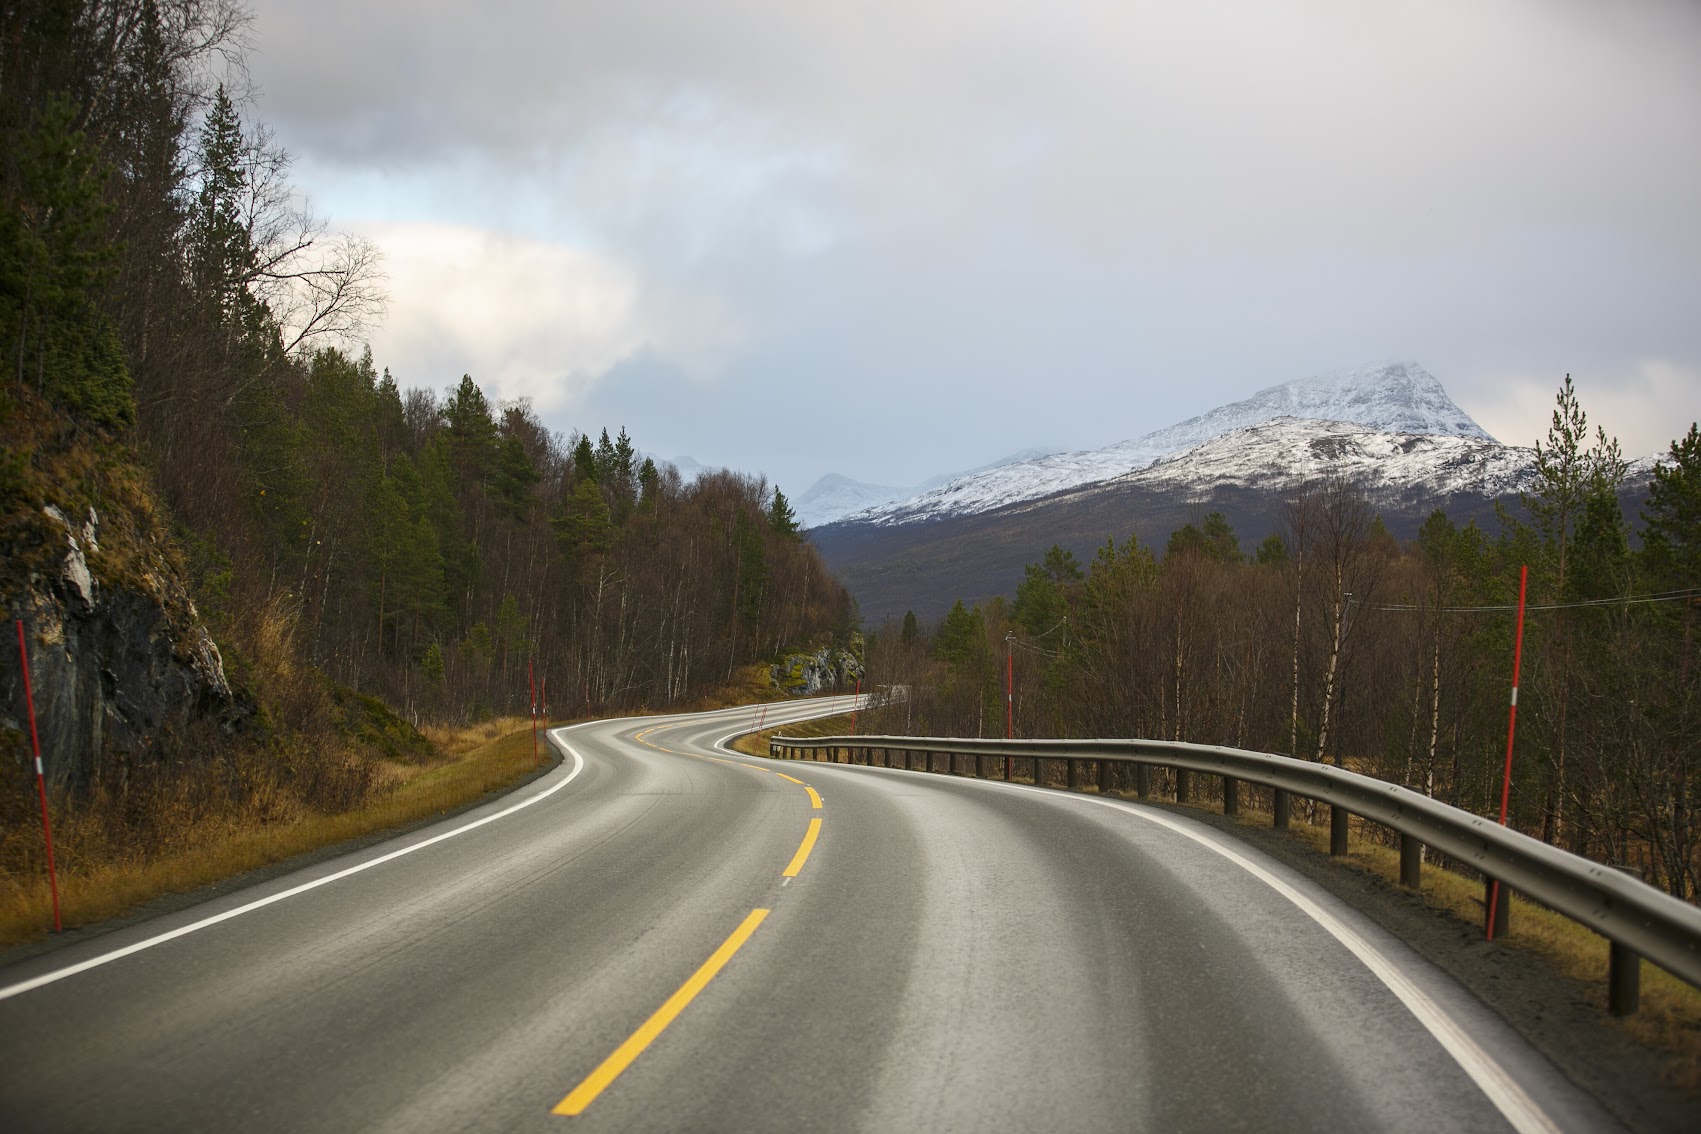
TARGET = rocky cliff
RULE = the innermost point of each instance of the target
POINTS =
(121, 664)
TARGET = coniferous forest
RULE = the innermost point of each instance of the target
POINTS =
(1332, 641)
(179, 334)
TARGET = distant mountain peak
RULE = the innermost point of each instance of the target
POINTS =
(1390, 397)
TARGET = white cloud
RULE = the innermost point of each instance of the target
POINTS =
(1074, 221)
(1646, 403)
(529, 318)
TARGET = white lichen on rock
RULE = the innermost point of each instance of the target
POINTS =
(76, 563)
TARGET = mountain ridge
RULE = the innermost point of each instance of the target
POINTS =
(1397, 397)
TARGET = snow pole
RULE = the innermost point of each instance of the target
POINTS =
(855, 698)
(531, 679)
(1511, 731)
(40, 779)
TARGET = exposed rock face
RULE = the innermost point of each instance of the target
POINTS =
(804, 675)
(118, 665)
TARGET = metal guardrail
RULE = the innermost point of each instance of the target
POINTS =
(1638, 919)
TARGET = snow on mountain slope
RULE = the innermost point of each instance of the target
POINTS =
(1279, 455)
(1398, 397)
(834, 496)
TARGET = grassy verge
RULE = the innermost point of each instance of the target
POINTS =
(468, 763)
(756, 743)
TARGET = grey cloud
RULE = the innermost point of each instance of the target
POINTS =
(952, 229)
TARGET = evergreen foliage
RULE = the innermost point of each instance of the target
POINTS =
(160, 285)
(1337, 643)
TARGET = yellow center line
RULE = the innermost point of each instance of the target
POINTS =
(802, 855)
(783, 776)
(814, 797)
(609, 1070)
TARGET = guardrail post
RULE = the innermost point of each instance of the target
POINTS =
(1624, 980)
(1500, 904)
(1411, 863)
(1074, 775)
(1624, 970)
(1231, 796)
(1039, 775)
(1183, 785)
(1337, 829)
(1007, 762)
(1280, 806)
(1142, 780)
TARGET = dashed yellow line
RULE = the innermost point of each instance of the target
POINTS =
(622, 1057)
(802, 855)
(609, 1069)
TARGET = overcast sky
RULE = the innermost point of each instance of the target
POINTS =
(896, 238)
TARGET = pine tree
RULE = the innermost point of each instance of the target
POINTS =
(1671, 534)
(515, 475)
(222, 251)
(472, 432)
(54, 255)
(649, 484)
(586, 527)
(584, 460)
(431, 665)
(780, 516)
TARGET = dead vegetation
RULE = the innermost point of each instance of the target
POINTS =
(136, 838)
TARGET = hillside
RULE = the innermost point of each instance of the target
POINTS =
(1246, 474)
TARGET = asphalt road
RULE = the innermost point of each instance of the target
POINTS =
(945, 954)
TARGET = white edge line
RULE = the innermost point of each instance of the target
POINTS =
(1510, 1099)
(106, 958)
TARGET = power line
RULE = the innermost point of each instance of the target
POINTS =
(1632, 600)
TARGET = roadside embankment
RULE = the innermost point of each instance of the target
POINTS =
(198, 844)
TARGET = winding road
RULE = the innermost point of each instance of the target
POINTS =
(660, 934)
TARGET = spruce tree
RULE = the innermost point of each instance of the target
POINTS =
(780, 516)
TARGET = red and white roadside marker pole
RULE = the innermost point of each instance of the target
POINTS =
(1511, 730)
(856, 699)
(531, 678)
(40, 779)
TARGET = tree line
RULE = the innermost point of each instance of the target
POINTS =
(1332, 641)
(165, 290)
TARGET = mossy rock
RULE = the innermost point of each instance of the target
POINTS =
(374, 724)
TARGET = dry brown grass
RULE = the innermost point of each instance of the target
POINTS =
(750, 685)
(756, 743)
(197, 842)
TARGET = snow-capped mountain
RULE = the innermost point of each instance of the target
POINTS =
(1288, 451)
(1394, 398)
(834, 496)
